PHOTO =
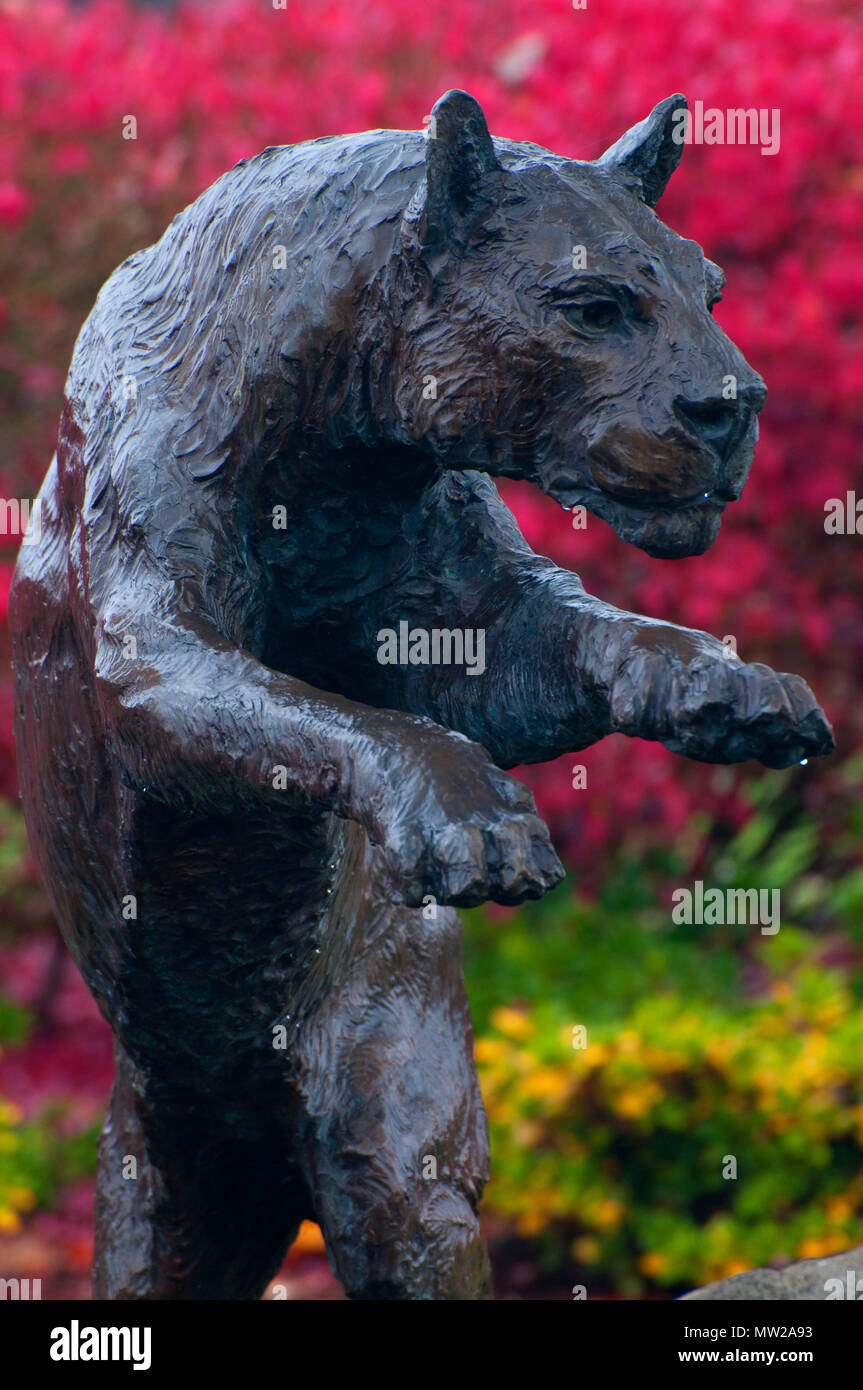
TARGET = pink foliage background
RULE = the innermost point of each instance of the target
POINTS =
(211, 85)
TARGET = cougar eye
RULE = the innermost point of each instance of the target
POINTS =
(596, 314)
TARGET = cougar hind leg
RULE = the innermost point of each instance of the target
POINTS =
(186, 1207)
(395, 1143)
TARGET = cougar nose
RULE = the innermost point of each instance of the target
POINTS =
(718, 423)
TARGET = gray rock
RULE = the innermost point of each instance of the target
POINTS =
(806, 1280)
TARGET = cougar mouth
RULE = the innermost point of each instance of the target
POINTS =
(569, 495)
(663, 527)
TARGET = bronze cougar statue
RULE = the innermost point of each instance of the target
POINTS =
(278, 435)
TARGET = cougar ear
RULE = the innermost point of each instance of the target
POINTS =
(459, 158)
(651, 150)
